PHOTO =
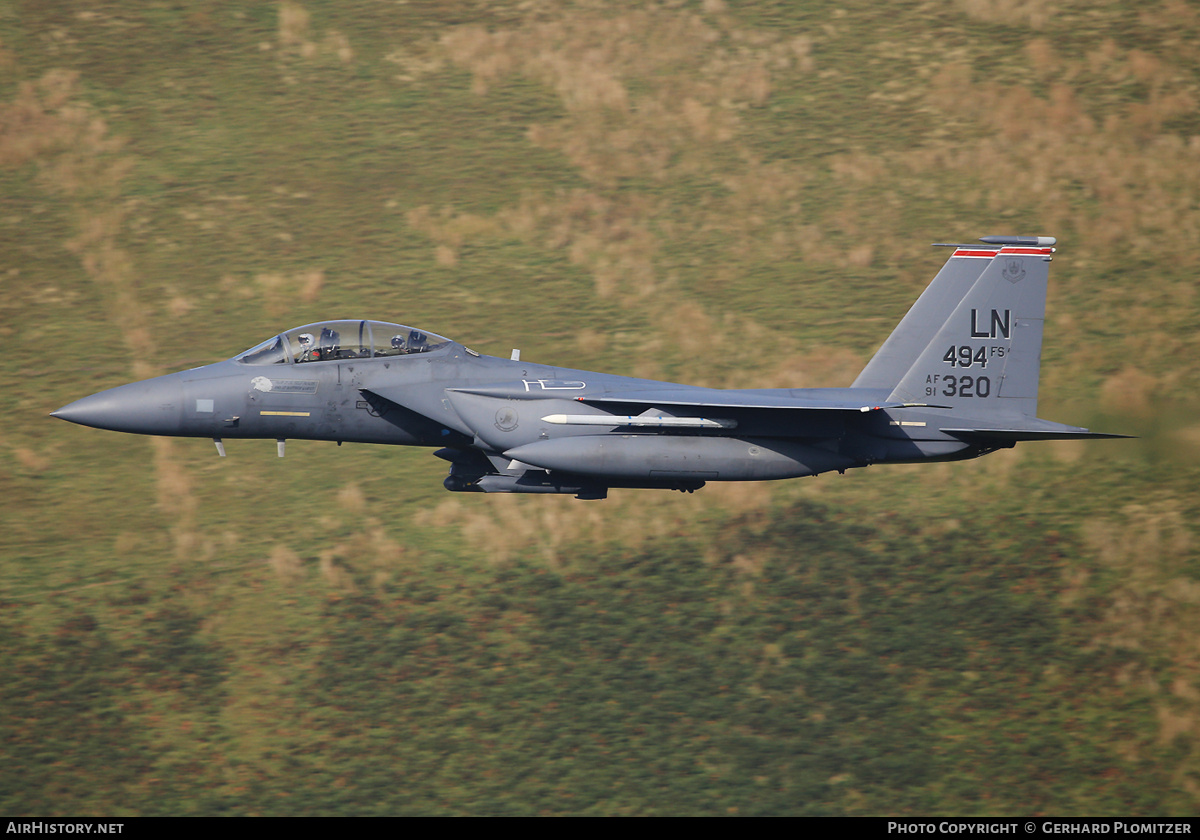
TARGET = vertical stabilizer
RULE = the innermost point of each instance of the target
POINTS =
(985, 357)
(933, 307)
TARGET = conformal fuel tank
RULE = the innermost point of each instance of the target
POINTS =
(683, 457)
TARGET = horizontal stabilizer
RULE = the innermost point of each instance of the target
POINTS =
(1012, 435)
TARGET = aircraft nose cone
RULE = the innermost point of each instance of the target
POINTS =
(152, 407)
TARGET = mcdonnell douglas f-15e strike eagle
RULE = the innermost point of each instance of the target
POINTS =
(956, 379)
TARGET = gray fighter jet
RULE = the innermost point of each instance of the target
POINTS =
(956, 379)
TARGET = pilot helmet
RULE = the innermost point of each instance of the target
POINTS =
(306, 339)
(398, 341)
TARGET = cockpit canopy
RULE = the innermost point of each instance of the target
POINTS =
(337, 340)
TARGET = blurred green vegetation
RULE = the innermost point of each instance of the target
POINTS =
(730, 194)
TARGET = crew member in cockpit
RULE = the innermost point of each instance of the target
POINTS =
(330, 345)
(306, 348)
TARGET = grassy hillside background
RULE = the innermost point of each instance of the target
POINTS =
(733, 194)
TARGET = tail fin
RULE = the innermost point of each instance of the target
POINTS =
(902, 348)
(986, 355)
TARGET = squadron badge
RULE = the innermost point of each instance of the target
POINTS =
(1013, 271)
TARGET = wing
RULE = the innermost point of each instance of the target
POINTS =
(667, 409)
(703, 399)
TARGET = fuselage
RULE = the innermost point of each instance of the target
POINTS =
(445, 395)
(956, 379)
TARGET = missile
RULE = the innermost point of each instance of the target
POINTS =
(658, 421)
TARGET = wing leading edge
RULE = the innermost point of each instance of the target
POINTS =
(705, 399)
